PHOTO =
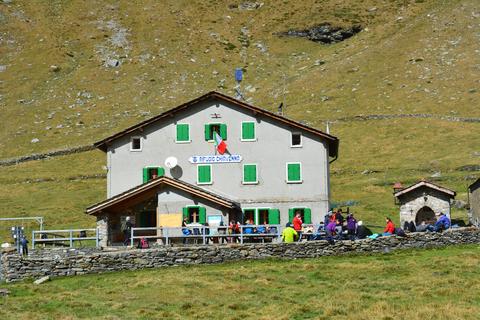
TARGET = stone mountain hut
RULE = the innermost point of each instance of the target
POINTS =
(474, 202)
(422, 201)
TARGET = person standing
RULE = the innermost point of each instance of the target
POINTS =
(351, 226)
(297, 224)
(24, 245)
(289, 234)
(127, 231)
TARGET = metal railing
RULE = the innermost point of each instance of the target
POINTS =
(207, 233)
(64, 237)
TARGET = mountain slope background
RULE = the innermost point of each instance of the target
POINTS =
(402, 95)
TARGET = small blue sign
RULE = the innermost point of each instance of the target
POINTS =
(238, 74)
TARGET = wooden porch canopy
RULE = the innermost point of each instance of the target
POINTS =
(427, 184)
(151, 188)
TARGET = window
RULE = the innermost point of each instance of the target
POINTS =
(183, 133)
(150, 173)
(220, 128)
(294, 172)
(250, 174)
(260, 216)
(136, 144)
(195, 214)
(204, 174)
(305, 214)
(296, 139)
(249, 216)
(248, 131)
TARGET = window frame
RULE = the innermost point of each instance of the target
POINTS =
(254, 214)
(155, 167)
(286, 173)
(256, 174)
(189, 136)
(291, 140)
(257, 214)
(209, 124)
(131, 143)
(254, 132)
(198, 176)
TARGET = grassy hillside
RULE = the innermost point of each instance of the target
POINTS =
(418, 284)
(56, 85)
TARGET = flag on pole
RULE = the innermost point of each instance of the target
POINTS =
(220, 145)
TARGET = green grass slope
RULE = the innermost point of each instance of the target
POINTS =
(417, 284)
(412, 57)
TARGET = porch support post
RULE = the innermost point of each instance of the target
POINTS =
(103, 229)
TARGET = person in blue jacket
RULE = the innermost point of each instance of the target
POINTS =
(443, 223)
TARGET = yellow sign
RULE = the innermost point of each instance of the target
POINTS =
(169, 220)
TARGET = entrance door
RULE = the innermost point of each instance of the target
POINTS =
(425, 214)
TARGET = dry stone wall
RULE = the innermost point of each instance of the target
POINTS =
(68, 263)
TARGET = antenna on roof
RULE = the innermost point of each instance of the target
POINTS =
(328, 128)
(280, 109)
(238, 78)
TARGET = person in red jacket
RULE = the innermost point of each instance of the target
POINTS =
(297, 224)
(390, 228)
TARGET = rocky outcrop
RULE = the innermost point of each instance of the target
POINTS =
(324, 33)
(53, 263)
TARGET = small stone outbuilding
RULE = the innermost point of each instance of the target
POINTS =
(422, 201)
(474, 201)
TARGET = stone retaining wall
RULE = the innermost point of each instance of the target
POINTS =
(51, 263)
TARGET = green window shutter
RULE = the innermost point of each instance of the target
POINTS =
(249, 173)
(248, 130)
(293, 172)
(208, 135)
(204, 174)
(202, 215)
(182, 132)
(185, 214)
(161, 171)
(273, 216)
(307, 215)
(223, 131)
(291, 213)
(145, 175)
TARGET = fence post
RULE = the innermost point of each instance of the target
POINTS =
(71, 238)
(203, 235)
(166, 235)
(131, 237)
(96, 238)
(241, 234)
(33, 239)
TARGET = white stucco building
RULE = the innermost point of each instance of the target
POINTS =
(273, 166)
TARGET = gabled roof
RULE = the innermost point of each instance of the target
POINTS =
(331, 140)
(156, 184)
(427, 184)
(474, 185)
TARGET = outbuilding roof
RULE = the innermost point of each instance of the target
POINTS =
(331, 140)
(151, 187)
(474, 185)
(427, 184)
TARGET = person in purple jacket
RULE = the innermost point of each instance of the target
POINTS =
(351, 226)
(331, 228)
